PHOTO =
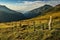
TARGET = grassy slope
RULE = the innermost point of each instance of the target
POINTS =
(15, 31)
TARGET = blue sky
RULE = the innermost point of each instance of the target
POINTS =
(25, 0)
(26, 5)
(16, 1)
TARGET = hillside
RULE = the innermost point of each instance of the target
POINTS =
(38, 11)
(8, 15)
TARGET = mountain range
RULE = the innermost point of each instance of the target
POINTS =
(8, 15)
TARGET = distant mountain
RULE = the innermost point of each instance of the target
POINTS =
(21, 11)
(7, 14)
(57, 7)
(38, 11)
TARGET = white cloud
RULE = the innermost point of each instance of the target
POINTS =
(29, 5)
(53, 3)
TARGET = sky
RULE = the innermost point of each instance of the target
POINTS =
(26, 5)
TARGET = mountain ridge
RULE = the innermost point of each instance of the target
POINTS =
(7, 15)
(38, 11)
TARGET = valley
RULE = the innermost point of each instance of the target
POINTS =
(36, 28)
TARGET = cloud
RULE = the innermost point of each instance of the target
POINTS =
(53, 3)
(29, 5)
